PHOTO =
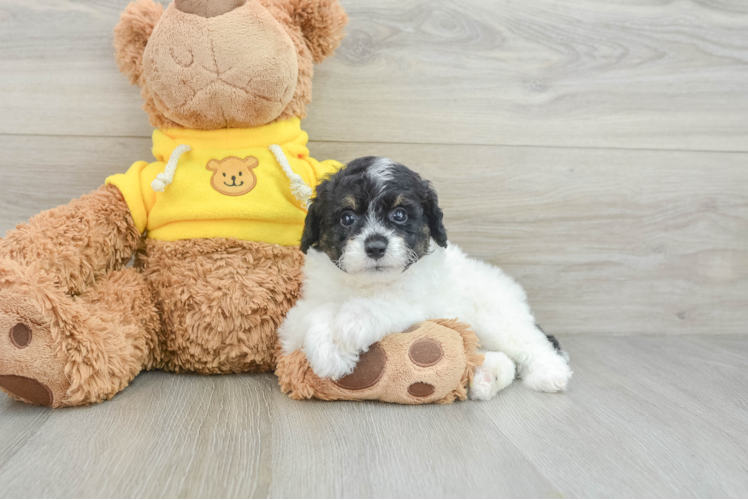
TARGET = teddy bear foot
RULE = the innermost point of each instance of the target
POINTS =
(31, 370)
(57, 350)
(431, 362)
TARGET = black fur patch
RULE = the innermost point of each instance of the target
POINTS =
(352, 190)
(553, 340)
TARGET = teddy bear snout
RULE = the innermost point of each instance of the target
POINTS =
(234, 71)
(208, 8)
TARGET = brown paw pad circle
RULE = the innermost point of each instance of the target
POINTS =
(421, 389)
(425, 352)
(369, 370)
(27, 388)
(20, 336)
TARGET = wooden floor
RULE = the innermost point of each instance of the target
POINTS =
(597, 151)
(651, 416)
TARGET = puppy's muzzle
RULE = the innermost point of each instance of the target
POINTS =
(376, 246)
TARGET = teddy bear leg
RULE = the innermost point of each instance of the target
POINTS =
(431, 362)
(77, 243)
(53, 343)
(221, 301)
(56, 350)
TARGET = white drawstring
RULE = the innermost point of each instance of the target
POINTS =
(300, 190)
(167, 176)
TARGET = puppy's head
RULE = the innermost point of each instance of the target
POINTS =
(374, 218)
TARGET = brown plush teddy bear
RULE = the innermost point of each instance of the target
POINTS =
(225, 83)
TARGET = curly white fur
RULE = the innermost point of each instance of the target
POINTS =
(341, 314)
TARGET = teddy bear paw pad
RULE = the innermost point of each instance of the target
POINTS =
(369, 370)
(28, 389)
(425, 352)
(30, 368)
(20, 336)
(421, 389)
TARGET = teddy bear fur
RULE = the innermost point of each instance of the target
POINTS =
(314, 26)
(205, 305)
(77, 325)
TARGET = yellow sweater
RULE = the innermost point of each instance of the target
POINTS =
(228, 184)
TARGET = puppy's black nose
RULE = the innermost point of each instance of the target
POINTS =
(375, 246)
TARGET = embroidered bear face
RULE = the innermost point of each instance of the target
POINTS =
(233, 176)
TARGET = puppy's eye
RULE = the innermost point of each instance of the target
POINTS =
(224, 175)
(398, 215)
(240, 173)
(348, 219)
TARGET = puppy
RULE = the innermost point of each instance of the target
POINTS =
(378, 261)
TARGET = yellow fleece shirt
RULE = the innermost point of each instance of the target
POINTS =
(229, 185)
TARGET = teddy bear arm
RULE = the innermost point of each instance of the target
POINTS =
(76, 243)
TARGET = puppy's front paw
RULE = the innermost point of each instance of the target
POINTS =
(330, 361)
(496, 373)
(354, 327)
(552, 375)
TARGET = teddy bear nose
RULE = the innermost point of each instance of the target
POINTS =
(208, 8)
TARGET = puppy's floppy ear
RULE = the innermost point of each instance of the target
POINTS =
(322, 23)
(313, 223)
(434, 215)
(131, 36)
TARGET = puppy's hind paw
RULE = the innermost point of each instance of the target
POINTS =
(495, 374)
(553, 377)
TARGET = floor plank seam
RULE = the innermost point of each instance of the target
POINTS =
(406, 143)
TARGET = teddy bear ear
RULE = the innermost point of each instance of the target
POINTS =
(131, 36)
(322, 23)
(251, 162)
(213, 165)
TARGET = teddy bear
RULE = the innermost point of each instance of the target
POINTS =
(213, 224)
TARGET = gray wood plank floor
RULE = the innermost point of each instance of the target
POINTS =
(646, 416)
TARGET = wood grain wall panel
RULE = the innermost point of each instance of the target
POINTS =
(605, 241)
(663, 75)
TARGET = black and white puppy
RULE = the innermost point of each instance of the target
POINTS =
(378, 261)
